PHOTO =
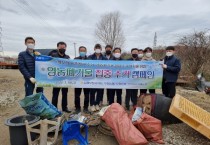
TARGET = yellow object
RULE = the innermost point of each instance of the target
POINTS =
(191, 114)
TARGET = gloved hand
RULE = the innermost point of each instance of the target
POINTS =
(37, 53)
(33, 80)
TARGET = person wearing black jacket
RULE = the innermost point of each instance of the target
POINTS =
(26, 65)
(116, 57)
(109, 56)
(60, 53)
(131, 94)
(77, 91)
(171, 69)
(96, 98)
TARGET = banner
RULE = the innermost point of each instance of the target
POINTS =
(57, 72)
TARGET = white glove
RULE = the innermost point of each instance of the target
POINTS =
(33, 80)
(164, 66)
(37, 53)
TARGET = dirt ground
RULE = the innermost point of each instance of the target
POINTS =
(12, 90)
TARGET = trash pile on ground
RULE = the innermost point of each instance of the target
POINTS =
(39, 105)
(142, 125)
(132, 129)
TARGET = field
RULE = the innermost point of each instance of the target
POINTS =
(12, 90)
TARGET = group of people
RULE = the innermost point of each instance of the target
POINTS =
(94, 96)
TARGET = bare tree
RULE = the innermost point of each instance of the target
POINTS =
(193, 50)
(109, 30)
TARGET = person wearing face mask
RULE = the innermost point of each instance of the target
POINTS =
(77, 91)
(147, 57)
(131, 94)
(116, 57)
(60, 53)
(109, 56)
(141, 54)
(96, 93)
(26, 64)
(171, 69)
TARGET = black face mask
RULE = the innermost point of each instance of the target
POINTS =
(62, 51)
(134, 55)
(108, 52)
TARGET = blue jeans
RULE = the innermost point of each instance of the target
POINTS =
(29, 88)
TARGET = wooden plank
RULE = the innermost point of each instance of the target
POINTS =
(191, 114)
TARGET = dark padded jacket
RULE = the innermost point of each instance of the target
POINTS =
(56, 54)
(26, 64)
(79, 57)
(94, 57)
(170, 74)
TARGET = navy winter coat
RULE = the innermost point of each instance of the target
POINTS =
(170, 74)
(26, 64)
(94, 57)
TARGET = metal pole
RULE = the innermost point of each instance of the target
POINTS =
(75, 49)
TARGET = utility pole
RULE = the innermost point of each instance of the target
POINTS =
(1, 47)
(155, 41)
(74, 49)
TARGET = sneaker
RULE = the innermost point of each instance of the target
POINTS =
(97, 108)
(92, 108)
(66, 110)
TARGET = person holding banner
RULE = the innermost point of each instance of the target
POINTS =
(147, 57)
(109, 56)
(141, 54)
(131, 94)
(96, 94)
(77, 91)
(26, 65)
(60, 53)
(117, 57)
(171, 69)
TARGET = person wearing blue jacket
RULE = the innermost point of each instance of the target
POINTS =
(171, 69)
(96, 93)
(26, 64)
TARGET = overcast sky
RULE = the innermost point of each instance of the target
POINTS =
(50, 21)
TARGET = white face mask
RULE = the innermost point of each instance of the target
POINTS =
(117, 55)
(149, 54)
(140, 55)
(97, 50)
(30, 46)
(169, 53)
